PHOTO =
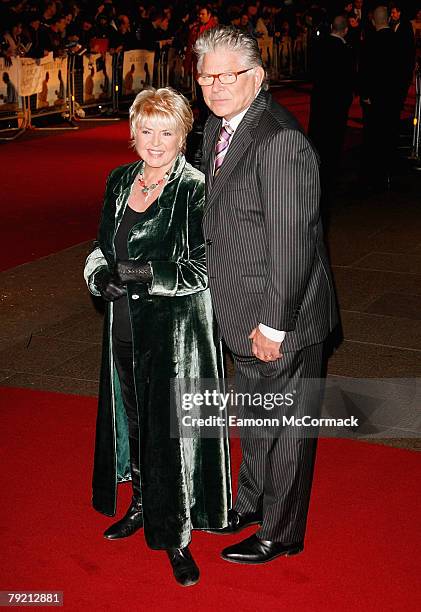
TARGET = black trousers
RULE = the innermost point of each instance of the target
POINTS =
(277, 464)
(123, 359)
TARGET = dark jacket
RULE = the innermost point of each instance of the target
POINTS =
(266, 258)
(185, 482)
(380, 73)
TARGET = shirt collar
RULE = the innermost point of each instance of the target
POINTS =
(340, 37)
(235, 121)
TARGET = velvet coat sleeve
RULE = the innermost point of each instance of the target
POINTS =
(187, 274)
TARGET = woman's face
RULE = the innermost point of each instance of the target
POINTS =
(157, 145)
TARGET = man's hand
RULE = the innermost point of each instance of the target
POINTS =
(263, 348)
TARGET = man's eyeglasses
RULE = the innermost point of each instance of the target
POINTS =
(225, 78)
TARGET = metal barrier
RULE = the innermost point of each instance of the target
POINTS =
(131, 71)
(415, 151)
(86, 87)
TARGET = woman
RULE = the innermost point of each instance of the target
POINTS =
(149, 265)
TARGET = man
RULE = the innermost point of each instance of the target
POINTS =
(380, 81)
(123, 39)
(405, 42)
(268, 274)
(55, 35)
(333, 83)
(205, 21)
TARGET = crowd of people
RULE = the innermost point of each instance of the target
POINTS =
(33, 28)
(344, 48)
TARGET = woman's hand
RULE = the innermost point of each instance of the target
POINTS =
(109, 286)
(133, 271)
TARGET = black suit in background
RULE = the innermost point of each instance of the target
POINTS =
(405, 44)
(382, 69)
(333, 83)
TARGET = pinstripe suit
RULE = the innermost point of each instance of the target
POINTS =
(267, 264)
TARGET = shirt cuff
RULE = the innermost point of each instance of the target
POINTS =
(272, 334)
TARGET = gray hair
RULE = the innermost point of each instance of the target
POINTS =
(232, 39)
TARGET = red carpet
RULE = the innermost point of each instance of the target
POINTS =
(52, 186)
(362, 549)
(52, 189)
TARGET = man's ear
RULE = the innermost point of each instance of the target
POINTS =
(259, 75)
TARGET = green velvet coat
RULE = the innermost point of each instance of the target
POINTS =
(185, 482)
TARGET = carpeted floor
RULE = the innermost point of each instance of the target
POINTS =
(362, 549)
(52, 189)
(52, 186)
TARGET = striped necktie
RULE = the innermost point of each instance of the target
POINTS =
(222, 146)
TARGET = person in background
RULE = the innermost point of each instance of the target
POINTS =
(55, 36)
(149, 267)
(380, 86)
(405, 42)
(333, 78)
(205, 21)
(124, 39)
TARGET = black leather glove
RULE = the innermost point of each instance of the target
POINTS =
(109, 286)
(133, 271)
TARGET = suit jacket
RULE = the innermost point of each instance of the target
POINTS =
(333, 74)
(381, 69)
(266, 258)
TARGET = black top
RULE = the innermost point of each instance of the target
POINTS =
(121, 317)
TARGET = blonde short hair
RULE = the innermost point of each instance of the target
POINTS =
(165, 105)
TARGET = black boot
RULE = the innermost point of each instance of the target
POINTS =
(129, 524)
(185, 569)
(133, 519)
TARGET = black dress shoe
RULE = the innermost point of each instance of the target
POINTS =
(238, 522)
(254, 550)
(129, 524)
(183, 565)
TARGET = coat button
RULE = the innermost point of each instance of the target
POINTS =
(208, 242)
(135, 296)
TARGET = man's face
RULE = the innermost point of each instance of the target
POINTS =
(395, 14)
(61, 25)
(204, 16)
(358, 4)
(124, 24)
(229, 100)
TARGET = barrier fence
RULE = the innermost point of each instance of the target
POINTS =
(75, 85)
(416, 146)
(70, 86)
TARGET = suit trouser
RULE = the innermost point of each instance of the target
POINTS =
(278, 460)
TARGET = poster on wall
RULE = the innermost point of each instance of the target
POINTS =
(97, 73)
(53, 84)
(9, 88)
(137, 71)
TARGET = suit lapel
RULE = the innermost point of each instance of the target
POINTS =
(241, 140)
